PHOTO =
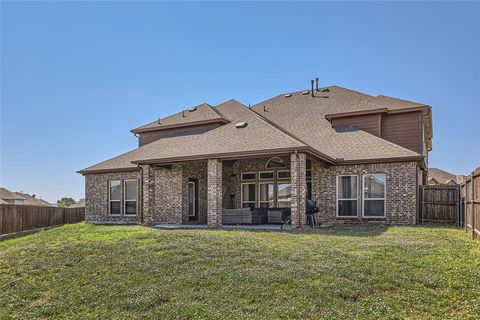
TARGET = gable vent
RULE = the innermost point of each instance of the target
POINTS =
(240, 125)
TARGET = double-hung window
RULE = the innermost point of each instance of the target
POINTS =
(130, 187)
(265, 198)
(374, 191)
(347, 196)
(115, 197)
(248, 195)
(284, 194)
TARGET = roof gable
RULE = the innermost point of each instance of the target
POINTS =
(258, 135)
(203, 113)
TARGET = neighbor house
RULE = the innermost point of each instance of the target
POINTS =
(10, 197)
(361, 158)
(437, 176)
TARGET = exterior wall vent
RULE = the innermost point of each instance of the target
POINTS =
(240, 125)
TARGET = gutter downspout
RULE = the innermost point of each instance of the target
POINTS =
(297, 164)
(141, 193)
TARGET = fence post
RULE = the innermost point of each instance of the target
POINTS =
(422, 197)
(472, 205)
(465, 205)
(459, 203)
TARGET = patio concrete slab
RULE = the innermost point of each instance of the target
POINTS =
(271, 227)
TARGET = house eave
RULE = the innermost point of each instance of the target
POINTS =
(238, 155)
(180, 125)
(112, 170)
(418, 158)
(331, 116)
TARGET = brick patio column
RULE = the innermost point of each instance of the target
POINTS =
(298, 168)
(214, 193)
(148, 194)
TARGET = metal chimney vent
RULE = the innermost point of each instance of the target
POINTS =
(240, 125)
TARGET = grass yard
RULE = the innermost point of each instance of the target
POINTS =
(84, 271)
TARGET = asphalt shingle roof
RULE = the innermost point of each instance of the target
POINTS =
(202, 112)
(293, 122)
(9, 195)
(304, 117)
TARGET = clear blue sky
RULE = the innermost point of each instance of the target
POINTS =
(77, 76)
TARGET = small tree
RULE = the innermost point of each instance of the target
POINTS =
(65, 202)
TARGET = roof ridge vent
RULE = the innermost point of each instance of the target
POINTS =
(288, 95)
(305, 92)
(240, 125)
(192, 109)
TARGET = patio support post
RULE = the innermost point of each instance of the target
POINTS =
(298, 168)
(214, 193)
(148, 194)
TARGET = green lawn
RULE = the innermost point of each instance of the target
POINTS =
(84, 271)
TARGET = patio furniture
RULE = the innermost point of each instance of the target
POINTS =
(275, 215)
(237, 216)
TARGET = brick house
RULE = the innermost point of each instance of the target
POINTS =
(360, 157)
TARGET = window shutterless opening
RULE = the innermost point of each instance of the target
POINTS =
(284, 194)
(347, 196)
(275, 162)
(131, 193)
(265, 194)
(283, 174)
(248, 193)
(249, 176)
(374, 195)
(265, 175)
(115, 197)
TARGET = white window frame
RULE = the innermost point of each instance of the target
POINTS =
(367, 199)
(124, 193)
(338, 198)
(283, 179)
(194, 200)
(276, 157)
(267, 179)
(260, 198)
(276, 192)
(241, 194)
(254, 173)
(109, 200)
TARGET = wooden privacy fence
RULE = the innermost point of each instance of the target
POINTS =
(16, 218)
(470, 193)
(440, 203)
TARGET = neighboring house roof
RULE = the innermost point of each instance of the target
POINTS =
(6, 194)
(203, 113)
(30, 200)
(79, 204)
(284, 123)
(441, 176)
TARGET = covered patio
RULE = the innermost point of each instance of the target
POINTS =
(257, 192)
